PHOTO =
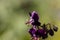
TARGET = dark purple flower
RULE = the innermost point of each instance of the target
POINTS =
(51, 32)
(35, 16)
(32, 31)
(41, 33)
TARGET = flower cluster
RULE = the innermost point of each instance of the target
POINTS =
(37, 31)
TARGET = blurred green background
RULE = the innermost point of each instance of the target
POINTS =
(14, 13)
